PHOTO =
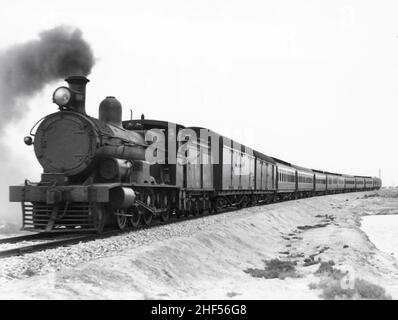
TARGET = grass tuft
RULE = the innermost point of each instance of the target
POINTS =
(332, 289)
(275, 269)
(368, 290)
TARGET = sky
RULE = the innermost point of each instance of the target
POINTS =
(312, 82)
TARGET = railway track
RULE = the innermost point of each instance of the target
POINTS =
(48, 242)
(29, 237)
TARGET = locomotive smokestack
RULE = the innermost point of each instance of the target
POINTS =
(78, 85)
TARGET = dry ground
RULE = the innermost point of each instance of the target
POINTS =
(212, 258)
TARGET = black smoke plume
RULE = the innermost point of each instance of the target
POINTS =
(26, 68)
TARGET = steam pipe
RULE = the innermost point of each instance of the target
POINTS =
(122, 152)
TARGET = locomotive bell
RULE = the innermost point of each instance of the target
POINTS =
(110, 111)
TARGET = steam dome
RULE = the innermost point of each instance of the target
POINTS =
(110, 111)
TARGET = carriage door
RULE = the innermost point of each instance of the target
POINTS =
(193, 178)
(236, 164)
(227, 168)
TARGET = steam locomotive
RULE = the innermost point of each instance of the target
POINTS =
(107, 172)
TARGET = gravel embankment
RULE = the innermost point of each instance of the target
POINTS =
(54, 259)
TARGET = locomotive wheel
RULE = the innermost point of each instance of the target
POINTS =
(135, 218)
(165, 215)
(220, 204)
(147, 215)
(147, 218)
(194, 208)
(100, 213)
(181, 214)
(121, 220)
(199, 207)
(195, 211)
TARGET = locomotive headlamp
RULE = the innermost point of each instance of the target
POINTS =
(62, 96)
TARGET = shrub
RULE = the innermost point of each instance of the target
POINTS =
(275, 268)
(368, 290)
(331, 281)
(372, 195)
(327, 269)
(332, 290)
